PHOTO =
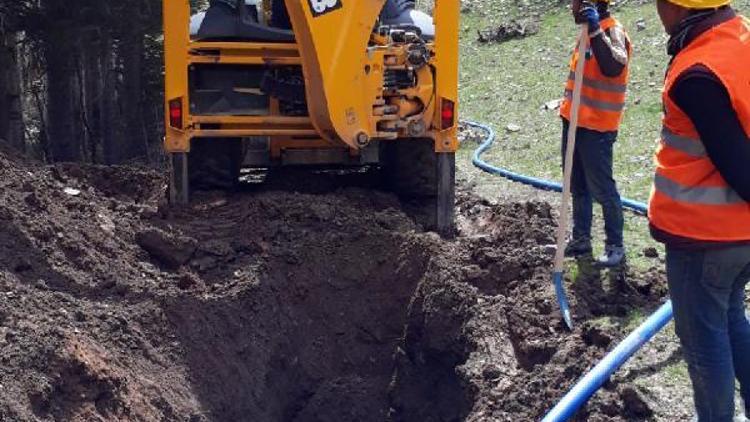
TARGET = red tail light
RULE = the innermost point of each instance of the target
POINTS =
(447, 114)
(175, 113)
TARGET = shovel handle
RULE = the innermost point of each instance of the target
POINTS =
(562, 229)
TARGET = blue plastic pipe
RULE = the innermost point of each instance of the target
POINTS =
(591, 382)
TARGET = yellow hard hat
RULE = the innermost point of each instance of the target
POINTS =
(700, 4)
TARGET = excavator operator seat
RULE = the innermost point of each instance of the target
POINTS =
(236, 20)
(402, 14)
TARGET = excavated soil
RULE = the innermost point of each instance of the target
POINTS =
(297, 304)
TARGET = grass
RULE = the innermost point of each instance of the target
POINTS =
(677, 373)
(509, 83)
(634, 319)
(627, 324)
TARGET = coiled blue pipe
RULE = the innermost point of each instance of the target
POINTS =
(591, 382)
(635, 206)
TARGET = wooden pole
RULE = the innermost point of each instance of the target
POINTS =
(562, 229)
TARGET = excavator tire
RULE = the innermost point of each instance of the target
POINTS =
(211, 164)
(424, 180)
(214, 164)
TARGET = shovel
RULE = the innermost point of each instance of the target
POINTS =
(562, 230)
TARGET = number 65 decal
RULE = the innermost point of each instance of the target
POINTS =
(321, 7)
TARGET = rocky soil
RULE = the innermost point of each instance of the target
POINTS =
(322, 303)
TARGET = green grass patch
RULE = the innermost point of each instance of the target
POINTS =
(606, 323)
(634, 319)
(677, 373)
(509, 83)
(627, 324)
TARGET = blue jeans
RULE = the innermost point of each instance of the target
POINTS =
(708, 294)
(593, 179)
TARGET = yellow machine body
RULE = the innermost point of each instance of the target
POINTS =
(375, 93)
(343, 63)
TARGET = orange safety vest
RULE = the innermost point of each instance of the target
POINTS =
(602, 97)
(689, 197)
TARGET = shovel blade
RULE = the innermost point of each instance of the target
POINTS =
(562, 299)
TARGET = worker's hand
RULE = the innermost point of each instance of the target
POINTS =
(590, 15)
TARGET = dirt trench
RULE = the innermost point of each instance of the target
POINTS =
(322, 303)
(308, 333)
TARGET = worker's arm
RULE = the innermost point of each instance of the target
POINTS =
(610, 47)
(611, 51)
(706, 101)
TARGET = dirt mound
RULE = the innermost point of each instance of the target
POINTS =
(511, 30)
(273, 305)
(488, 323)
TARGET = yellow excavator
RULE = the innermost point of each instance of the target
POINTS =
(321, 83)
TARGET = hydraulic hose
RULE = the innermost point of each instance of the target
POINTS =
(591, 382)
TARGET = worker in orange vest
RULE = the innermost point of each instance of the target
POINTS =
(602, 103)
(700, 202)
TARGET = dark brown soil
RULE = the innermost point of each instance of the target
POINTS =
(326, 304)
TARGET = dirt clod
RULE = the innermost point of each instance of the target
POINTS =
(511, 30)
(634, 403)
(651, 253)
(598, 335)
(170, 250)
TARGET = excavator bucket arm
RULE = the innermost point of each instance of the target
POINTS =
(336, 67)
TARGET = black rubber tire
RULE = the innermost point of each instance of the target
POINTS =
(412, 171)
(411, 167)
(215, 164)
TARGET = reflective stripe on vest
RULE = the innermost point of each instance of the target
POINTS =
(689, 146)
(600, 85)
(590, 102)
(697, 195)
(689, 197)
(602, 97)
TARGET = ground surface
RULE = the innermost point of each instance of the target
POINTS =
(324, 304)
(323, 300)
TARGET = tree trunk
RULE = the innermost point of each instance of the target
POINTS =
(90, 85)
(12, 127)
(6, 64)
(134, 145)
(63, 105)
(109, 118)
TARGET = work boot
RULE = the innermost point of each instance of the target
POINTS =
(577, 248)
(745, 416)
(612, 257)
